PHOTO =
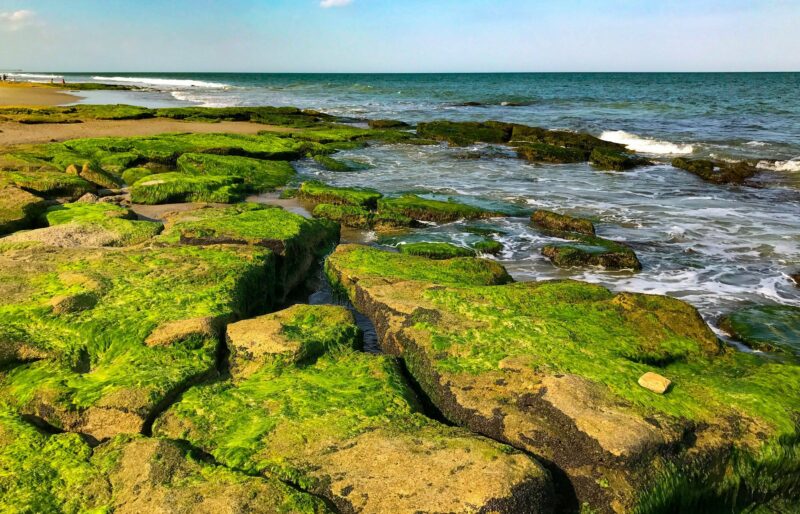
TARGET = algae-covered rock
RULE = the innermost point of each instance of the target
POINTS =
(331, 164)
(552, 221)
(296, 241)
(133, 175)
(575, 141)
(542, 152)
(160, 475)
(180, 187)
(360, 262)
(488, 246)
(18, 209)
(387, 124)
(465, 133)
(609, 159)
(717, 172)
(552, 368)
(344, 425)
(591, 251)
(94, 372)
(423, 209)
(437, 251)
(47, 184)
(766, 327)
(318, 192)
(257, 175)
(348, 215)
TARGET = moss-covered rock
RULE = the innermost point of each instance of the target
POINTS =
(591, 251)
(92, 172)
(47, 184)
(258, 175)
(347, 215)
(297, 242)
(160, 475)
(610, 159)
(465, 133)
(767, 327)
(18, 209)
(318, 192)
(551, 221)
(423, 209)
(331, 164)
(364, 262)
(488, 246)
(344, 425)
(542, 152)
(522, 134)
(88, 369)
(717, 172)
(387, 124)
(180, 187)
(552, 368)
(437, 251)
(133, 175)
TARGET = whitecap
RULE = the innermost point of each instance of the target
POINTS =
(645, 144)
(790, 165)
(34, 76)
(163, 83)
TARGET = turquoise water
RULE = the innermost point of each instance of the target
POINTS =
(718, 247)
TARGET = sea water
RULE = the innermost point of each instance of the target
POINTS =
(717, 247)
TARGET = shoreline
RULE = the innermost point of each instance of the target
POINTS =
(31, 94)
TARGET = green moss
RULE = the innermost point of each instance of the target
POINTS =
(321, 193)
(387, 124)
(717, 172)
(562, 138)
(766, 328)
(552, 221)
(437, 251)
(347, 215)
(542, 152)
(46, 473)
(133, 175)
(18, 209)
(97, 358)
(88, 212)
(365, 261)
(258, 175)
(332, 164)
(49, 184)
(179, 187)
(423, 209)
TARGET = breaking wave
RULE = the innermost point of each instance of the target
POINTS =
(645, 144)
(164, 83)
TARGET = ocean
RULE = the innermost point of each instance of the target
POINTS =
(717, 247)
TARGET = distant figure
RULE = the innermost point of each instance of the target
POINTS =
(51, 81)
(62, 81)
(4, 77)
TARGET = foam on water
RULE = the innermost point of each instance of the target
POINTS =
(34, 76)
(646, 144)
(162, 83)
(792, 165)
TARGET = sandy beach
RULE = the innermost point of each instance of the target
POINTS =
(33, 94)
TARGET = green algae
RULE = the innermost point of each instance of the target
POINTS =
(133, 175)
(331, 164)
(46, 473)
(179, 187)
(552, 221)
(717, 172)
(465, 133)
(437, 251)
(364, 261)
(542, 152)
(488, 246)
(97, 357)
(321, 193)
(88, 212)
(387, 124)
(48, 184)
(766, 328)
(610, 159)
(18, 209)
(423, 209)
(591, 251)
(347, 215)
(258, 175)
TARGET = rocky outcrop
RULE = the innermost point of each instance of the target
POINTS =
(717, 172)
(555, 222)
(771, 328)
(304, 406)
(18, 209)
(552, 368)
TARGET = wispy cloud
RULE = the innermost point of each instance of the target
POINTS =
(14, 20)
(325, 4)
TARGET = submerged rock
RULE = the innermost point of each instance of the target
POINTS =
(542, 152)
(773, 328)
(465, 133)
(591, 251)
(437, 251)
(552, 221)
(717, 172)
(488, 246)
(608, 159)
(304, 406)
(423, 209)
(388, 124)
(552, 368)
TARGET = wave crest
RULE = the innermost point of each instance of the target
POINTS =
(645, 144)
(164, 83)
(792, 165)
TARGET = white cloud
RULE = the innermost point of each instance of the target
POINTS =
(16, 19)
(334, 3)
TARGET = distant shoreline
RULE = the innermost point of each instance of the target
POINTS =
(32, 94)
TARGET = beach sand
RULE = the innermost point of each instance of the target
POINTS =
(26, 93)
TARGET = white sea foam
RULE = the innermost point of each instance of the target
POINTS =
(645, 144)
(34, 76)
(756, 143)
(790, 165)
(205, 100)
(164, 83)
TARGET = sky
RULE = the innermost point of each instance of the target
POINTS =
(399, 35)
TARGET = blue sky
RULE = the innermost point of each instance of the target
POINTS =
(400, 35)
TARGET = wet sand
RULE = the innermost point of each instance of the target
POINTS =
(33, 95)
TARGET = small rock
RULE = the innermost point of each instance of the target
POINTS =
(655, 382)
(88, 198)
(796, 278)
